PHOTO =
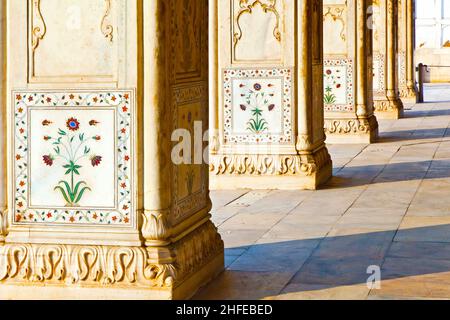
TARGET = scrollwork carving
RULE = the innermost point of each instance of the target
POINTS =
(336, 14)
(247, 6)
(38, 27)
(107, 29)
(104, 266)
(350, 126)
(269, 165)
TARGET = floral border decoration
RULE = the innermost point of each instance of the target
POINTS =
(380, 86)
(123, 101)
(230, 75)
(349, 106)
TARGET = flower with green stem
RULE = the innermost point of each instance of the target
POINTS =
(71, 148)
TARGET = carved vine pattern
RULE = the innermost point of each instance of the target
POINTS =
(246, 7)
(336, 15)
(39, 29)
(106, 28)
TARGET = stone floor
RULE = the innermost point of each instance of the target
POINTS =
(388, 206)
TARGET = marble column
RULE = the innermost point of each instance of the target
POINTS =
(348, 95)
(386, 90)
(99, 206)
(407, 68)
(3, 178)
(269, 117)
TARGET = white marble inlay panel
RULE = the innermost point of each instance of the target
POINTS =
(73, 158)
(258, 106)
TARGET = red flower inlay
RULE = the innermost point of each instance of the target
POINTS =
(48, 160)
(93, 123)
(271, 107)
(73, 124)
(96, 160)
(97, 138)
(46, 123)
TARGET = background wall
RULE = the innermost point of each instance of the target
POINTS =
(433, 37)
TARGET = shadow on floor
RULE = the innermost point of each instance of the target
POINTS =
(414, 134)
(427, 113)
(267, 270)
(354, 176)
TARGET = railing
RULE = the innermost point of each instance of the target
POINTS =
(423, 70)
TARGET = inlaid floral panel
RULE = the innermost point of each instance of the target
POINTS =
(338, 85)
(258, 106)
(73, 158)
(379, 73)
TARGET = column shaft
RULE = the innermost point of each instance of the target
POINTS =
(3, 146)
(386, 94)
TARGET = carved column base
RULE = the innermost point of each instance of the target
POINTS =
(388, 109)
(283, 172)
(32, 271)
(409, 95)
(348, 131)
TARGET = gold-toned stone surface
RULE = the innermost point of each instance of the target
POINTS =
(153, 60)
